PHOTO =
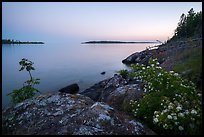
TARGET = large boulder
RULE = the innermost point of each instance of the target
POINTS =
(139, 57)
(120, 97)
(116, 92)
(72, 89)
(95, 91)
(67, 114)
(101, 90)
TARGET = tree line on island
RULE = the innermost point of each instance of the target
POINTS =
(117, 42)
(9, 41)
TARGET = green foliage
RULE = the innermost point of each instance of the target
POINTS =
(189, 24)
(170, 105)
(190, 65)
(123, 73)
(28, 90)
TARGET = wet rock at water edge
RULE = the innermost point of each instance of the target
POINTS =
(72, 89)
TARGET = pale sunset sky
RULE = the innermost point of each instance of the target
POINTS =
(127, 21)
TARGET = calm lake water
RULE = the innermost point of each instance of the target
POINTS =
(58, 65)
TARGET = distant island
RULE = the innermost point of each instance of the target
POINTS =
(8, 41)
(117, 42)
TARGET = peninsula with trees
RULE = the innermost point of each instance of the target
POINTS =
(9, 41)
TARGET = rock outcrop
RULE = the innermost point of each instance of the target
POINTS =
(115, 91)
(67, 114)
(138, 57)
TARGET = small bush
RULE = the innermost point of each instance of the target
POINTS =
(28, 90)
(123, 73)
(170, 105)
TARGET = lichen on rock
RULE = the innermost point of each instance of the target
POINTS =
(66, 114)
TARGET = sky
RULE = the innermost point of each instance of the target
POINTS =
(127, 21)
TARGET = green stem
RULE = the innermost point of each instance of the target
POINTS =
(31, 78)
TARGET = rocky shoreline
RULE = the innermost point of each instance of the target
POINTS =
(98, 110)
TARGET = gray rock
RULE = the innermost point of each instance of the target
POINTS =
(138, 57)
(67, 114)
(72, 89)
(101, 90)
(102, 73)
(120, 97)
(95, 91)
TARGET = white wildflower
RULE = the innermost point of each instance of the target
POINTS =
(171, 71)
(178, 108)
(165, 126)
(155, 112)
(169, 117)
(193, 111)
(180, 128)
(157, 115)
(175, 117)
(165, 110)
(170, 107)
(152, 65)
(181, 115)
(145, 90)
(187, 112)
(143, 67)
(159, 74)
(157, 63)
(148, 67)
(161, 104)
(175, 74)
(156, 120)
(192, 118)
(173, 114)
(199, 94)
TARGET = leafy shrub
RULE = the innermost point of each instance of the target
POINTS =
(170, 105)
(28, 90)
(123, 73)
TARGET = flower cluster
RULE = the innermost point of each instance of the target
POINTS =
(169, 102)
(176, 116)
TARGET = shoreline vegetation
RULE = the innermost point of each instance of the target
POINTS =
(117, 42)
(8, 41)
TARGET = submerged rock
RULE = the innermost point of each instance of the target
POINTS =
(72, 89)
(102, 73)
(67, 114)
